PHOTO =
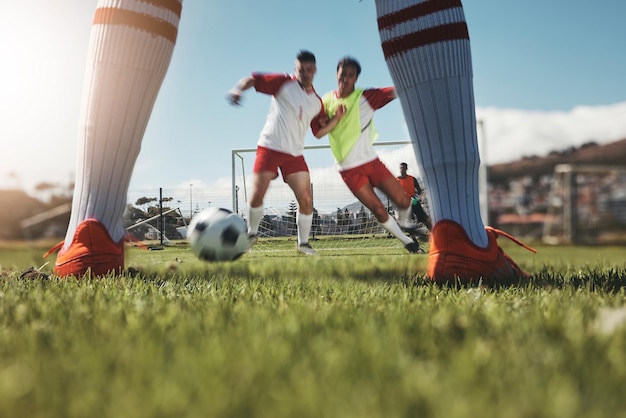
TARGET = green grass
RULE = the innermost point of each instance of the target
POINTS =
(280, 335)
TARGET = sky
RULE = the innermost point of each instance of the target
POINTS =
(547, 75)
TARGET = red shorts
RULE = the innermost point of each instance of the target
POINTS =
(270, 160)
(374, 172)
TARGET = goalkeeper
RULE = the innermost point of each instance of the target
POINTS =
(413, 189)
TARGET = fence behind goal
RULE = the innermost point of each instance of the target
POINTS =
(340, 221)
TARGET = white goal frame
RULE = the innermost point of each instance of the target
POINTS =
(361, 222)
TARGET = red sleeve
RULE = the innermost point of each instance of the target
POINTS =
(377, 98)
(315, 122)
(270, 83)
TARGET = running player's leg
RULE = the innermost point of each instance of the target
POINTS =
(364, 191)
(260, 183)
(398, 196)
(300, 183)
(265, 170)
(296, 174)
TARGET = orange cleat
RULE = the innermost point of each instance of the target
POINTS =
(454, 258)
(92, 252)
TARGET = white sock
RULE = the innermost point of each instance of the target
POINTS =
(304, 223)
(394, 229)
(130, 50)
(254, 219)
(426, 46)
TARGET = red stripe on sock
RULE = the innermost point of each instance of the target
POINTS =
(150, 24)
(416, 11)
(405, 43)
(173, 6)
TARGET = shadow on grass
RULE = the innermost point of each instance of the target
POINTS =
(609, 280)
(407, 270)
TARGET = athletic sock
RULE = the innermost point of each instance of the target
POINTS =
(130, 49)
(426, 46)
(304, 223)
(394, 229)
(254, 219)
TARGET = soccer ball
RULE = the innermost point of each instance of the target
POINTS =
(217, 234)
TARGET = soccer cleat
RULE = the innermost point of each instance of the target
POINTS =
(306, 249)
(454, 258)
(92, 251)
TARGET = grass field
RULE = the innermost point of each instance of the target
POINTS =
(349, 334)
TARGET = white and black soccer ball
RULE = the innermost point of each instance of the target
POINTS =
(217, 234)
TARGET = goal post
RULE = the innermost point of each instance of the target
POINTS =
(157, 228)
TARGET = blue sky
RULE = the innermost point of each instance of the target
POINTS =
(547, 74)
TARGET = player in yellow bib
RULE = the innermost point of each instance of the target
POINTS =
(351, 133)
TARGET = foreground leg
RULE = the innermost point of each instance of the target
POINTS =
(426, 46)
(300, 183)
(129, 52)
(260, 183)
(453, 257)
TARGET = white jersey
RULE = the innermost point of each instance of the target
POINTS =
(292, 111)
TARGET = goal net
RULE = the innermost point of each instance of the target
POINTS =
(340, 221)
(586, 205)
(162, 228)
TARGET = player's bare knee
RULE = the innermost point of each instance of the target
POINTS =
(404, 203)
(305, 203)
(255, 201)
(306, 208)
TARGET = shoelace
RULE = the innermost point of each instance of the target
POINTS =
(57, 247)
(498, 232)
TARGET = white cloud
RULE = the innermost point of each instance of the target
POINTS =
(512, 133)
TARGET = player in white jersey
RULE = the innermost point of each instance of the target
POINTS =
(295, 106)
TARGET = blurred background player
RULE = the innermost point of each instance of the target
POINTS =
(413, 189)
(427, 50)
(295, 106)
(351, 132)
(130, 48)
